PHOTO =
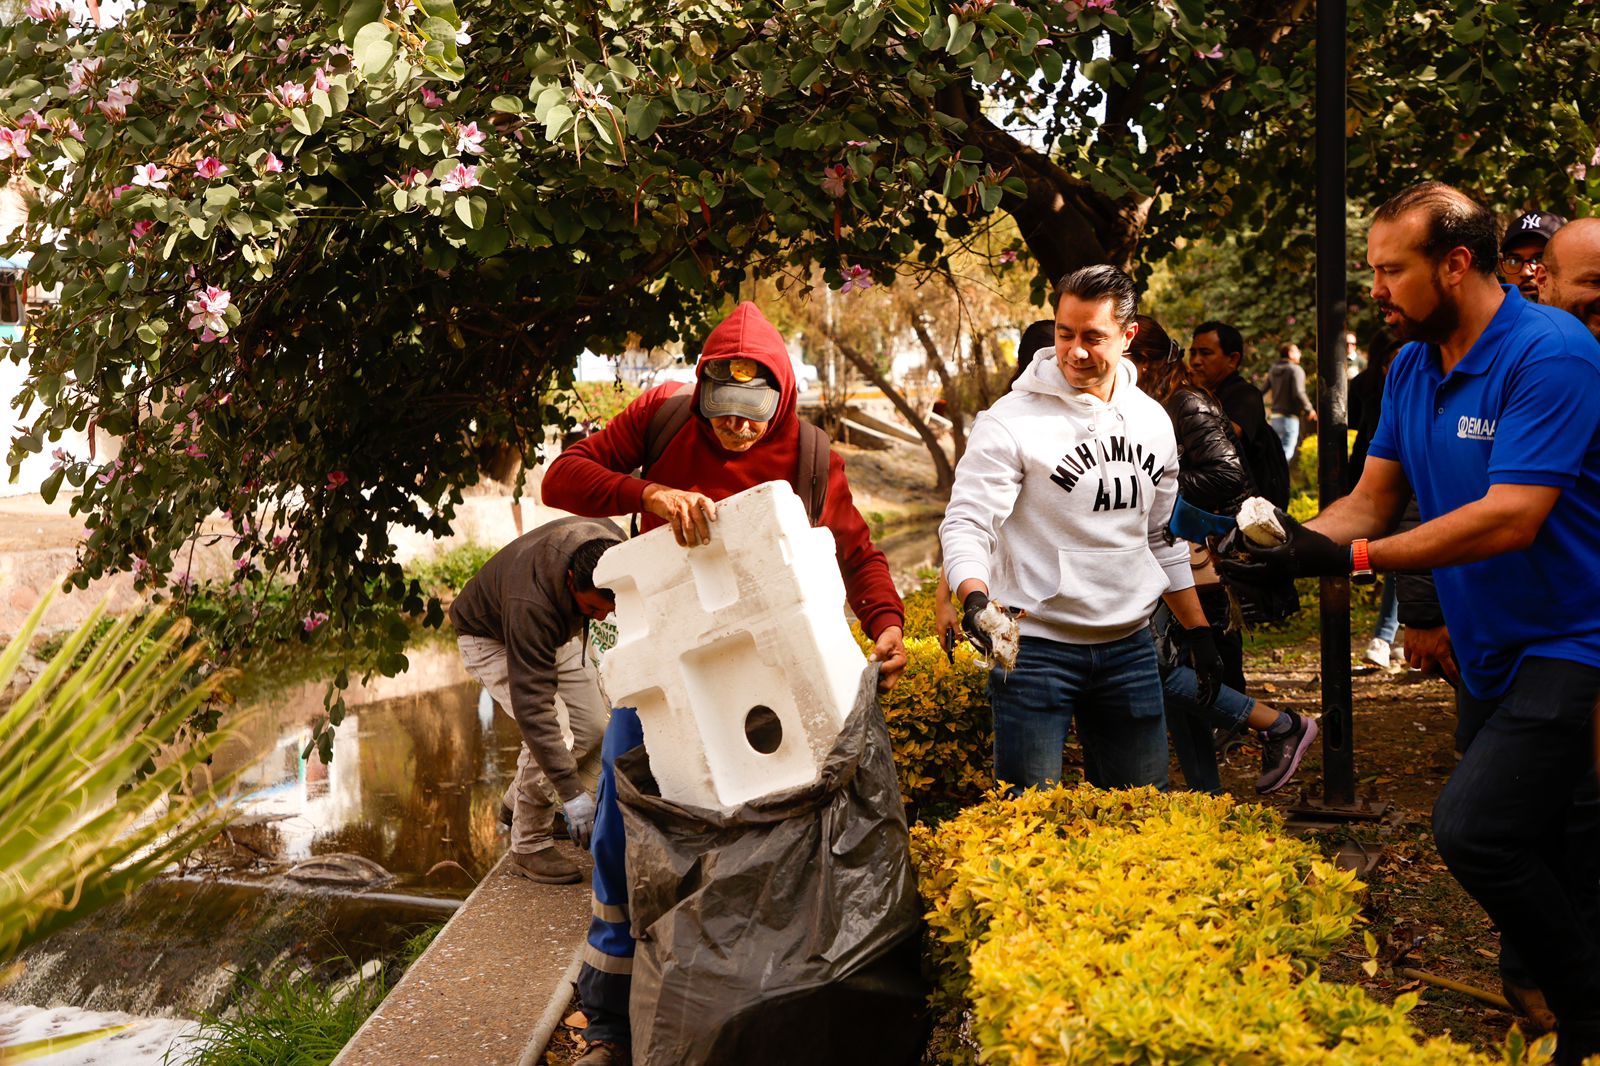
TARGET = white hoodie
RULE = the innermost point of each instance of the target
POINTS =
(1060, 506)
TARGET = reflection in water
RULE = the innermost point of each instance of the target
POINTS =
(415, 782)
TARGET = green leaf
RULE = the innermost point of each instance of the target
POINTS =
(511, 105)
(643, 116)
(471, 210)
(374, 50)
(116, 278)
(52, 485)
(556, 121)
(358, 14)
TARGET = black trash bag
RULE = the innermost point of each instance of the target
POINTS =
(785, 931)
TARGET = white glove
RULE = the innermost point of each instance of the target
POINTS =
(580, 818)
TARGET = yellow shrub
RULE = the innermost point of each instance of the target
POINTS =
(1080, 926)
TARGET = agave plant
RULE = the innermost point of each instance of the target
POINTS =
(98, 793)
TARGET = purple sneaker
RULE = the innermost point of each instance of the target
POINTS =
(1280, 756)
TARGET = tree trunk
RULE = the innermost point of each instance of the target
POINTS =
(952, 394)
(944, 472)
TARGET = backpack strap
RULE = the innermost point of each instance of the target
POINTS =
(666, 422)
(811, 478)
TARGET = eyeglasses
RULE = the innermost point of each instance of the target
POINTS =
(740, 370)
(1514, 264)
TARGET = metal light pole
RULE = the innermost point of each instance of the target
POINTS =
(1338, 755)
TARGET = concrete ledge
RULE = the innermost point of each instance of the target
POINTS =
(478, 995)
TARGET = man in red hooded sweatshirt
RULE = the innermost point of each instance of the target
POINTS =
(743, 430)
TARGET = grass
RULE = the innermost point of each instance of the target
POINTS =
(293, 1021)
(1306, 623)
(296, 1020)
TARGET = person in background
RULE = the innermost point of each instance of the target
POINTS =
(1215, 355)
(1286, 384)
(1212, 477)
(1569, 275)
(1366, 404)
(1522, 248)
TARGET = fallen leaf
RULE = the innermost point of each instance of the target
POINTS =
(576, 1020)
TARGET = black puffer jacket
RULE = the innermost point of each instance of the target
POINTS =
(1211, 472)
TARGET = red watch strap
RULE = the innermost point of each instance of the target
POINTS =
(1359, 559)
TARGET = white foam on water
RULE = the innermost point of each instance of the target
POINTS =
(143, 1043)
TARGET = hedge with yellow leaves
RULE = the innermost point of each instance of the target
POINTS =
(1080, 926)
(938, 715)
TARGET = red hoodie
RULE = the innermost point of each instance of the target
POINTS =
(592, 477)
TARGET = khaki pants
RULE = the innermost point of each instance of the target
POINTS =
(583, 712)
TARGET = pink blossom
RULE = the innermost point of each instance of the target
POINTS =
(1215, 52)
(461, 178)
(62, 457)
(431, 100)
(118, 190)
(858, 144)
(31, 120)
(1077, 7)
(291, 94)
(319, 80)
(283, 50)
(1290, 319)
(469, 139)
(193, 451)
(229, 119)
(141, 569)
(834, 179)
(415, 177)
(109, 472)
(242, 564)
(210, 167)
(185, 582)
(140, 228)
(118, 97)
(1008, 256)
(14, 144)
(44, 10)
(150, 176)
(70, 128)
(337, 479)
(206, 309)
(279, 540)
(82, 73)
(272, 164)
(856, 278)
(313, 621)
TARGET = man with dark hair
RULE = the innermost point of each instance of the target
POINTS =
(1569, 276)
(1286, 384)
(1059, 510)
(738, 428)
(518, 624)
(1523, 247)
(1214, 358)
(1484, 419)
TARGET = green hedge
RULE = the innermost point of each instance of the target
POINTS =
(1080, 926)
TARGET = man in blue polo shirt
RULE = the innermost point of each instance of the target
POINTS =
(1490, 415)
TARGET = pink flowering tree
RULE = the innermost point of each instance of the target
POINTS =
(367, 237)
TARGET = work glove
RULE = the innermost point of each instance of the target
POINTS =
(1306, 553)
(975, 602)
(1207, 663)
(580, 818)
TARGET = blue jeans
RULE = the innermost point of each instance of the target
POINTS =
(1190, 723)
(1388, 626)
(1518, 824)
(1287, 427)
(1113, 689)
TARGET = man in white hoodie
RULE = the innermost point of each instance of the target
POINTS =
(1059, 509)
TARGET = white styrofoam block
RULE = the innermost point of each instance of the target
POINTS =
(716, 639)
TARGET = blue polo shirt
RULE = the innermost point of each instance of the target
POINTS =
(1521, 408)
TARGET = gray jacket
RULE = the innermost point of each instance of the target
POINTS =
(520, 598)
(1286, 384)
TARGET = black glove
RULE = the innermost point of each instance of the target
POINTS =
(975, 602)
(1207, 663)
(1306, 553)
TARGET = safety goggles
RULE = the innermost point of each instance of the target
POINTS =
(726, 370)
